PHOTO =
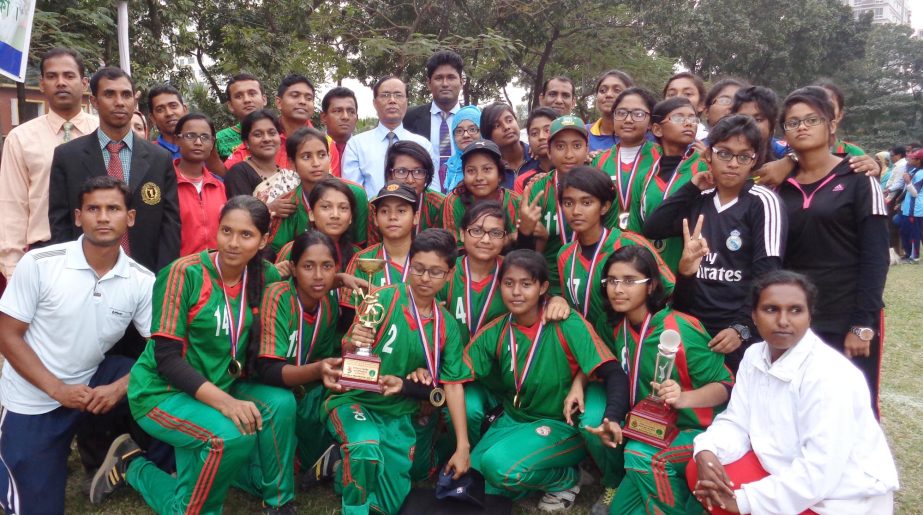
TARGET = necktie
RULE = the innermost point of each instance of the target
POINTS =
(67, 126)
(115, 171)
(391, 139)
(445, 148)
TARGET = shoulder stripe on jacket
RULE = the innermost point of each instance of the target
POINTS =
(878, 199)
(772, 220)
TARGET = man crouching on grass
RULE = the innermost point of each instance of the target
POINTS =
(65, 306)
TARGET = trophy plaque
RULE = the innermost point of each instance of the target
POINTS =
(651, 421)
(361, 368)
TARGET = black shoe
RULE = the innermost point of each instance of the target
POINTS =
(111, 473)
(322, 470)
(286, 509)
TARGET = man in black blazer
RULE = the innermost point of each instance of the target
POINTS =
(444, 71)
(155, 238)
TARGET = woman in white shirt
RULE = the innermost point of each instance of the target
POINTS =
(798, 435)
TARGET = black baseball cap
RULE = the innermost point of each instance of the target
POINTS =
(481, 145)
(397, 190)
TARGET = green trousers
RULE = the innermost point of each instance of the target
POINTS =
(310, 426)
(655, 479)
(378, 452)
(212, 454)
(518, 458)
(478, 401)
(610, 461)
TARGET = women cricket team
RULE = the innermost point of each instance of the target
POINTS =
(537, 314)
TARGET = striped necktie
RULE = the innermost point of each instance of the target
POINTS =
(115, 170)
(445, 148)
(68, 127)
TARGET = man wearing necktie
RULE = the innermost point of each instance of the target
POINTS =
(444, 71)
(363, 161)
(27, 152)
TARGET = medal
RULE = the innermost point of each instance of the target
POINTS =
(666, 190)
(519, 377)
(235, 369)
(624, 190)
(317, 323)
(635, 370)
(474, 325)
(432, 360)
(387, 259)
(573, 285)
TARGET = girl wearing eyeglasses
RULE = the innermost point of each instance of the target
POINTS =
(201, 194)
(632, 158)
(699, 386)
(674, 126)
(528, 363)
(738, 234)
(838, 233)
(483, 177)
(408, 162)
(466, 128)
(720, 98)
(309, 151)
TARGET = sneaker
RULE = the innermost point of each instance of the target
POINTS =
(559, 501)
(111, 473)
(286, 509)
(604, 503)
(322, 470)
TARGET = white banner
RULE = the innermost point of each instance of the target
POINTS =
(15, 34)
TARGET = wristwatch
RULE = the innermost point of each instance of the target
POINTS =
(743, 331)
(864, 333)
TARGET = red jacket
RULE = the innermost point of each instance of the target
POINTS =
(198, 213)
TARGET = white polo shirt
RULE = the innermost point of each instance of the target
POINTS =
(74, 317)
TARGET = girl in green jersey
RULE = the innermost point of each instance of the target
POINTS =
(188, 387)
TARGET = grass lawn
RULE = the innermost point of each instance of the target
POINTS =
(902, 410)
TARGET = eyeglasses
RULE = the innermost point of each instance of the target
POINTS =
(402, 173)
(388, 95)
(478, 232)
(723, 101)
(191, 136)
(792, 124)
(679, 119)
(637, 115)
(742, 159)
(612, 282)
(434, 273)
(473, 131)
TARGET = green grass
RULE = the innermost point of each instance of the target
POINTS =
(902, 418)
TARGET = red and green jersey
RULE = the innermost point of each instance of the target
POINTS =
(430, 216)
(399, 344)
(472, 303)
(626, 175)
(284, 326)
(842, 148)
(555, 360)
(284, 230)
(189, 306)
(393, 273)
(652, 191)
(559, 233)
(454, 210)
(581, 277)
(696, 365)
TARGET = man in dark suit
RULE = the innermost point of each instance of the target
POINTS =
(433, 121)
(114, 150)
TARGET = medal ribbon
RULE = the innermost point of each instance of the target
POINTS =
(387, 259)
(625, 191)
(474, 325)
(317, 324)
(573, 264)
(432, 360)
(237, 328)
(559, 219)
(520, 378)
(635, 370)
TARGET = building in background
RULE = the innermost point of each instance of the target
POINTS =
(35, 106)
(883, 11)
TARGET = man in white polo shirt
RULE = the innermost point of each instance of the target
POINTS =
(65, 306)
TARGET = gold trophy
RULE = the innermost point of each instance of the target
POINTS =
(361, 368)
(651, 421)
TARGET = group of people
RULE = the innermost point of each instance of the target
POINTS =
(183, 307)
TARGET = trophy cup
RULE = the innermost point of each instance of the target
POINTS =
(651, 420)
(361, 368)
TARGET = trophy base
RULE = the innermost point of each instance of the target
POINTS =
(651, 422)
(361, 372)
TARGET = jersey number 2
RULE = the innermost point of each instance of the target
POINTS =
(389, 343)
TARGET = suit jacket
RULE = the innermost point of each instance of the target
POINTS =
(418, 120)
(155, 237)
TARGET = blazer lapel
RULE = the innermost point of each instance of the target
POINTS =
(139, 165)
(93, 156)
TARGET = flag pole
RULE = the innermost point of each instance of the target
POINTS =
(124, 58)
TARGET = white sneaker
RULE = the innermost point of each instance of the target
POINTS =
(559, 501)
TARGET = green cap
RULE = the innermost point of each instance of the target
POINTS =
(568, 122)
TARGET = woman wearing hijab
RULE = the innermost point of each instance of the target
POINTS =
(465, 128)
